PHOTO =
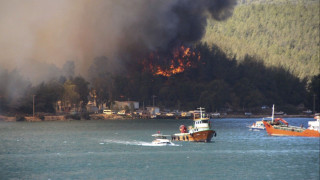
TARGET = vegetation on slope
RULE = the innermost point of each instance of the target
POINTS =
(216, 82)
(282, 33)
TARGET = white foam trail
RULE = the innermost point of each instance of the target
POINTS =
(156, 145)
(134, 143)
(123, 142)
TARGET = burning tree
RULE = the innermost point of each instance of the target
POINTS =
(168, 64)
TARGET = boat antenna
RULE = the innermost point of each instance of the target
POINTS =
(201, 112)
(272, 117)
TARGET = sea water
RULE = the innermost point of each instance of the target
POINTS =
(122, 149)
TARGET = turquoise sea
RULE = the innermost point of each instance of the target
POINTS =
(117, 149)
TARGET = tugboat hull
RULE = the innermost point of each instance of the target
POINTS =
(202, 136)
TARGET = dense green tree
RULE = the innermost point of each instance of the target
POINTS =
(101, 80)
(3, 91)
(81, 87)
(46, 96)
(313, 95)
(283, 33)
(70, 97)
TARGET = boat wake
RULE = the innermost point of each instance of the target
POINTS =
(156, 145)
(133, 143)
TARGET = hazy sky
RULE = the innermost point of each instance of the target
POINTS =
(54, 31)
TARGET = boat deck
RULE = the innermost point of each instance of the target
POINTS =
(289, 128)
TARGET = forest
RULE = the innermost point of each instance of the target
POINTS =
(283, 33)
(215, 82)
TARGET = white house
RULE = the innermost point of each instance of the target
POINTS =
(153, 110)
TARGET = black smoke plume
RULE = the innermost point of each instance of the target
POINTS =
(38, 37)
(53, 32)
(163, 25)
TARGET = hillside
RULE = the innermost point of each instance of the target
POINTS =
(263, 55)
(282, 33)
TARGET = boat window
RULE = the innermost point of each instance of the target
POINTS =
(204, 121)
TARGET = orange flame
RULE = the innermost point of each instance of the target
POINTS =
(182, 58)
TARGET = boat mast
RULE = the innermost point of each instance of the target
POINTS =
(200, 112)
(272, 117)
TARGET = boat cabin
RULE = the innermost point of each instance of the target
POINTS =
(160, 136)
(201, 124)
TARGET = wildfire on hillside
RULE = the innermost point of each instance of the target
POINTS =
(175, 62)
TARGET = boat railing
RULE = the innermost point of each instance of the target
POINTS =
(291, 128)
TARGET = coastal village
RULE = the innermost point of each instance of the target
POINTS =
(133, 110)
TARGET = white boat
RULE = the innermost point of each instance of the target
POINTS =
(258, 125)
(216, 114)
(314, 125)
(161, 140)
(279, 113)
(307, 111)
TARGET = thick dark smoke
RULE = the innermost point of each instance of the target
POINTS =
(52, 32)
(37, 37)
(164, 24)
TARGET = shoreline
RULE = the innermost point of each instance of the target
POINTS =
(104, 117)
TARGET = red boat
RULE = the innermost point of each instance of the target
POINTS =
(280, 127)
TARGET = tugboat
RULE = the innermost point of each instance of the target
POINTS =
(200, 131)
(280, 127)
